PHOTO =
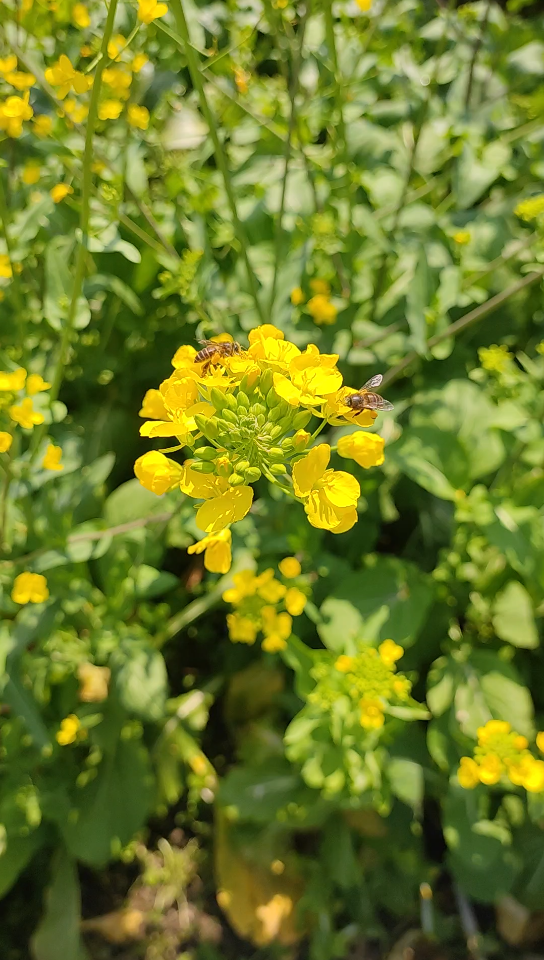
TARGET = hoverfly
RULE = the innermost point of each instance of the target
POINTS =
(366, 399)
(213, 352)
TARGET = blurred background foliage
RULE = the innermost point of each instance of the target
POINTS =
(368, 180)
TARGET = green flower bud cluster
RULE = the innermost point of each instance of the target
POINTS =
(252, 433)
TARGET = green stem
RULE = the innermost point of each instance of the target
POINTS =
(338, 93)
(220, 157)
(4, 222)
(293, 90)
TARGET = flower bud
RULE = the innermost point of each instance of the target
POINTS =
(272, 398)
(276, 453)
(277, 469)
(230, 401)
(276, 431)
(236, 480)
(261, 420)
(207, 426)
(266, 381)
(288, 444)
(229, 416)
(206, 453)
(243, 399)
(302, 418)
(242, 466)
(252, 474)
(257, 409)
(223, 466)
(202, 466)
(301, 439)
(285, 423)
(275, 413)
(218, 398)
(247, 385)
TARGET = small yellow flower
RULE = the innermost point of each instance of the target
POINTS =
(31, 172)
(468, 773)
(80, 16)
(312, 378)
(13, 381)
(227, 508)
(218, 557)
(241, 79)
(139, 61)
(110, 110)
(51, 460)
(6, 271)
(116, 46)
(495, 359)
(344, 664)
(8, 64)
(530, 208)
(540, 741)
(86, 50)
(289, 568)
(322, 310)
(138, 116)
(276, 628)
(36, 384)
(372, 717)
(94, 682)
(365, 448)
(153, 407)
(493, 728)
(490, 769)
(330, 496)
(13, 112)
(20, 80)
(242, 629)
(533, 780)
(390, 652)
(43, 125)
(63, 75)
(297, 296)
(149, 10)
(462, 237)
(29, 588)
(60, 191)
(320, 287)
(69, 729)
(25, 415)
(157, 472)
(6, 440)
(119, 80)
(364, 5)
(295, 601)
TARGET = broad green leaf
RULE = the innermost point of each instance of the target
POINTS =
(513, 617)
(59, 926)
(140, 678)
(417, 301)
(59, 285)
(17, 854)
(150, 582)
(406, 779)
(130, 501)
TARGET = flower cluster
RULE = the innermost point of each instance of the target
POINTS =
(369, 679)
(258, 602)
(243, 414)
(495, 359)
(116, 79)
(15, 108)
(17, 390)
(320, 306)
(502, 754)
(531, 208)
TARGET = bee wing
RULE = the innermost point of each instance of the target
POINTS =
(373, 382)
(207, 343)
(381, 404)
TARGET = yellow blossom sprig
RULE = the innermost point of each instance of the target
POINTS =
(264, 604)
(502, 756)
(243, 413)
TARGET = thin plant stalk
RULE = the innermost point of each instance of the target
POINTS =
(475, 51)
(194, 69)
(338, 94)
(293, 90)
(4, 223)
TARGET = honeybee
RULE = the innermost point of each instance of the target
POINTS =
(366, 399)
(213, 352)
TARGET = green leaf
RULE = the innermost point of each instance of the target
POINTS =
(513, 617)
(58, 930)
(23, 704)
(131, 501)
(140, 678)
(406, 779)
(17, 854)
(59, 284)
(417, 301)
(101, 281)
(150, 582)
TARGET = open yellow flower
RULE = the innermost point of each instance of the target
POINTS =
(36, 384)
(157, 472)
(184, 357)
(322, 310)
(153, 406)
(330, 496)
(312, 377)
(336, 412)
(217, 547)
(182, 427)
(390, 652)
(63, 75)
(69, 729)
(13, 381)
(222, 510)
(6, 271)
(13, 111)
(149, 10)
(242, 629)
(43, 124)
(270, 350)
(468, 773)
(60, 191)
(138, 116)
(29, 588)
(8, 64)
(80, 16)
(25, 415)
(94, 682)
(297, 296)
(6, 440)
(20, 80)
(276, 628)
(371, 713)
(51, 460)
(365, 448)
(110, 110)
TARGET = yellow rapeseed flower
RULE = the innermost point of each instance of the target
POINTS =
(153, 406)
(157, 472)
(462, 237)
(495, 359)
(530, 208)
(138, 116)
(365, 448)
(390, 652)
(29, 588)
(220, 511)
(364, 5)
(6, 440)
(20, 80)
(242, 629)
(51, 460)
(94, 682)
(289, 568)
(60, 191)
(295, 601)
(217, 547)
(36, 384)
(69, 729)
(5, 267)
(31, 172)
(312, 377)
(149, 10)
(43, 125)
(65, 77)
(540, 741)
(344, 663)
(336, 412)
(13, 111)
(110, 110)
(8, 64)
(330, 496)
(322, 310)
(116, 46)
(119, 80)
(297, 296)
(139, 61)
(372, 717)
(468, 773)
(13, 381)
(320, 287)
(25, 415)
(276, 628)
(80, 16)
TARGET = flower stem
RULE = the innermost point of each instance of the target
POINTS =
(4, 222)
(220, 157)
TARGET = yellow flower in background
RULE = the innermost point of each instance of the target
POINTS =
(20, 80)
(364, 5)
(8, 64)
(86, 50)
(322, 310)
(36, 384)
(491, 769)
(69, 729)
(60, 191)
(29, 588)
(462, 237)
(344, 663)
(290, 568)
(116, 46)
(242, 629)
(13, 381)
(94, 682)
(13, 111)
(43, 124)
(297, 296)
(157, 472)
(31, 172)
(6, 441)
(119, 80)
(227, 508)
(51, 460)
(5, 267)
(495, 359)
(138, 116)
(153, 406)
(139, 61)
(540, 741)
(530, 208)
(110, 110)
(80, 16)
(372, 717)
(276, 628)
(295, 601)
(63, 75)
(330, 496)
(217, 547)
(149, 10)
(25, 415)
(533, 778)
(241, 79)
(365, 448)
(320, 287)
(312, 377)
(468, 773)
(390, 652)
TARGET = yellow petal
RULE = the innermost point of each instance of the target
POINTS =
(224, 510)
(310, 469)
